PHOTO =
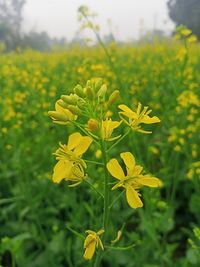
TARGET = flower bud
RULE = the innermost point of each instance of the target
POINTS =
(89, 92)
(58, 116)
(62, 103)
(98, 84)
(79, 90)
(113, 97)
(81, 103)
(102, 91)
(74, 109)
(93, 125)
(70, 99)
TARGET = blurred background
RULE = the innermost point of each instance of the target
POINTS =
(42, 25)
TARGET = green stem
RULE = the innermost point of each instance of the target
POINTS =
(115, 200)
(119, 140)
(106, 200)
(85, 132)
(105, 51)
(93, 162)
(106, 187)
(92, 186)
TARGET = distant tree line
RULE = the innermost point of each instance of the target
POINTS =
(186, 12)
(11, 34)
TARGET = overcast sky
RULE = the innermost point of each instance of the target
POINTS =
(128, 17)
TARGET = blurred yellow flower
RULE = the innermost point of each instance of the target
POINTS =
(138, 117)
(70, 165)
(92, 242)
(133, 180)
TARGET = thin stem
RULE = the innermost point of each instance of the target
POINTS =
(119, 140)
(115, 200)
(106, 200)
(92, 186)
(105, 50)
(106, 187)
(93, 162)
(75, 232)
(85, 132)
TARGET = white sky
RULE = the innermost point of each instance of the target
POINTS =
(59, 17)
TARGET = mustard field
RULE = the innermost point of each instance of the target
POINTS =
(123, 186)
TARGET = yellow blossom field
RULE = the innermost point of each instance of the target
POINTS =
(100, 159)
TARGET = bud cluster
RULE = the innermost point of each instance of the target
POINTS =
(90, 101)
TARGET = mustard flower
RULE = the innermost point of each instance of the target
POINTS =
(133, 180)
(92, 242)
(61, 115)
(138, 117)
(70, 165)
(107, 128)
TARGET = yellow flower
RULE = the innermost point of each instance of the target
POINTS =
(138, 117)
(192, 39)
(107, 128)
(133, 180)
(185, 32)
(62, 115)
(92, 242)
(70, 165)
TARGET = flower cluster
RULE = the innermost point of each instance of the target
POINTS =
(182, 32)
(88, 109)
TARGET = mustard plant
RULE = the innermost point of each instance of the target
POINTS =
(88, 109)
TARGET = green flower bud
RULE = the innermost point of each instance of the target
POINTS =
(89, 92)
(81, 103)
(74, 109)
(113, 97)
(62, 103)
(98, 84)
(102, 91)
(58, 116)
(79, 90)
(70, 99)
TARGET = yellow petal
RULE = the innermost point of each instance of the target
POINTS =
(108, 126)
(89, 250)
(128, 159)
(74, 140)
(83, 145)
(127, 111)
(138, 169)
(62, 170)
(62, 110)
(133, 198)
(89, 239)
(115, 169)
(149, 181)
(148, 120)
